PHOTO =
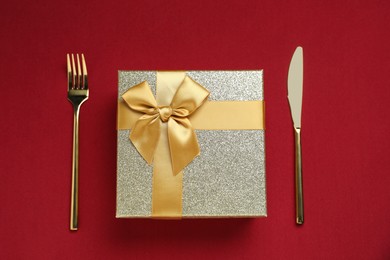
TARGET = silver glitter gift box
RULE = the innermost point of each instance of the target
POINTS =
(227, 179)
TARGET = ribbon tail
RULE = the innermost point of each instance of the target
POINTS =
(183, 143)
(145, 136)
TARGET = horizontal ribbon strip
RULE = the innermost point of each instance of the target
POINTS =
(212, 115)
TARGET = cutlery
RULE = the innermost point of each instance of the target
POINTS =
(77, 94)
(295, 89)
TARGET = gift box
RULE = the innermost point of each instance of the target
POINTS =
(190, 144)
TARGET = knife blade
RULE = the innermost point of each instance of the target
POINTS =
(295, 91)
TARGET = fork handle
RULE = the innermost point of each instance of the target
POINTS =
(298, 177)
(75, 171)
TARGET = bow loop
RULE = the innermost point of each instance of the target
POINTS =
(183, 144)
(188, 97)
(141, 99)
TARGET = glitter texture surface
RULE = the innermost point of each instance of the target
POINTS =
(134, 180)
(226, 180)
(241, 85)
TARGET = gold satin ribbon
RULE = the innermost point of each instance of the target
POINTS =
(181, 137)
(162, 129)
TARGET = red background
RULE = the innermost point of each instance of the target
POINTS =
(345, 125)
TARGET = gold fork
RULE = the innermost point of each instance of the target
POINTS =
(77, 94)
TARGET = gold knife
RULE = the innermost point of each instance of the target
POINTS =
(295, 90)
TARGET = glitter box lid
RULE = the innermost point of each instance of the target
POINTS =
(226, 180)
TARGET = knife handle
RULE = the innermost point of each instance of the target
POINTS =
(298, 177)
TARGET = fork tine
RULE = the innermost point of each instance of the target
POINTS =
(74, 73)
(85, 73)
(69, 69)
(79, 75)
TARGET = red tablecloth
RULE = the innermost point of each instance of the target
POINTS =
(345, 125)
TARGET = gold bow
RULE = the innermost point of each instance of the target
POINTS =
(183, 144)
